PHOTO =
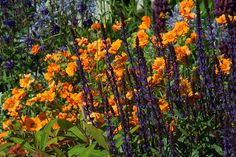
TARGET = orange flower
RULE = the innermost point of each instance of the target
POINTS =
(222, 19)
(120, 59)
(181, 28)
(159, 65)
(26, 81)
(119, 73)
(129, 95)
(115, 46)
(71, 68)
(32, 100)
(35, 49)
(182, 52)
(185, 9)
(32, 124)
(224, 64)
(46, 96)
(53, 67)
(3, 134)
(116, 26)
(18, 93)
(117, 129)
(146, 22)
(164, 106)
(56, 126)
(82, 41)
(97, 116)
(62, 115)
(185, 87)
(65, 89)
(155, 79)
(155, 41)
(96, 26)
(11, 104)
(169, 37)
(48, 76)
(172, 127)
(142, 37)
(192, 38)
(6, 124)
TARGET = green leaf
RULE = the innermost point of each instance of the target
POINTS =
(24, 144)
(45, 134)
(55, 140)
(75, 130)
(86, 152)
(4, 146)
(218, 149)
(1, 97)
(59, 152)
(97, 134)
(64, 124)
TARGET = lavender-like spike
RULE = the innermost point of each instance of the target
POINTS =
(160, 8)
(89, 107)
(225, 7)
(210, 28)
(112, 80)
(112, 147)
(206, 81)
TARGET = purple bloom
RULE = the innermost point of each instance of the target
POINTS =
(55, 29)
(82, 7)
(28, 3)
(9, 65)
(10, 23)
(3, 2)
(7, 39)
(45, 11)
(88, 22)
(29, 41)
(63, 48)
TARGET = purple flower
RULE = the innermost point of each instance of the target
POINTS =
(10, 23)
(3, 2)
(44, 11)
(82, 7)
(88, 22)
(9, 65)
(75, 22)
(7, 39)
(63, 48)
(55, 29)
(29, 41)
(27, 3)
